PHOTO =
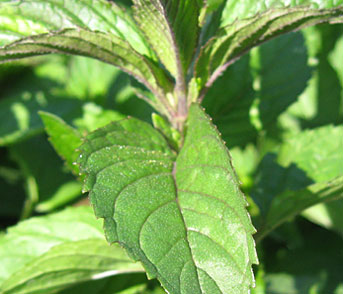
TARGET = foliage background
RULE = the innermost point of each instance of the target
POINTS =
(280, 110)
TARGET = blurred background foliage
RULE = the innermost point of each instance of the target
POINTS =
(279, 108)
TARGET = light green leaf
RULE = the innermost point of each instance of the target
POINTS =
(63, 138)
(94, 117)
(42, 255)
(187, 220)
(232, 41)
(89, 79)
(318, 152)
(290, 203)
(70, 263)
(172, 28)
(244, 9)
(24, 18)
(30, 239)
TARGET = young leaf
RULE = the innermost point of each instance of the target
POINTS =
(183, 217)
(172, 29)
(232, 41)
(63, 137)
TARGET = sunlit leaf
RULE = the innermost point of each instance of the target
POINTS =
(187, 219)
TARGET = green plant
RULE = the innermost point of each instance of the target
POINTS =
(168, 193)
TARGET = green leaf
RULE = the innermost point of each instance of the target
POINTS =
(88, 79)
(318, 152)
(32, 238)
(232, 41)
(184, 218)
(70, 263)
(244, 9)
(63, 138)
(290, 203)
(38, 256)
(24, 18)
(94, 117)
(172, 28)
(98, 45)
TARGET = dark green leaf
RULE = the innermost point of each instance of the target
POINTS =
(187, 219)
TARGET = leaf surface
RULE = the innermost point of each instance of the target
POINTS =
(234, 40)
(186, 215)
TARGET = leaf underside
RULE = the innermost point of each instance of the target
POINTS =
(183, 216)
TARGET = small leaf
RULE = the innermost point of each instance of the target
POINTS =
(232, 41)
(63, 137)
(185, 219)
